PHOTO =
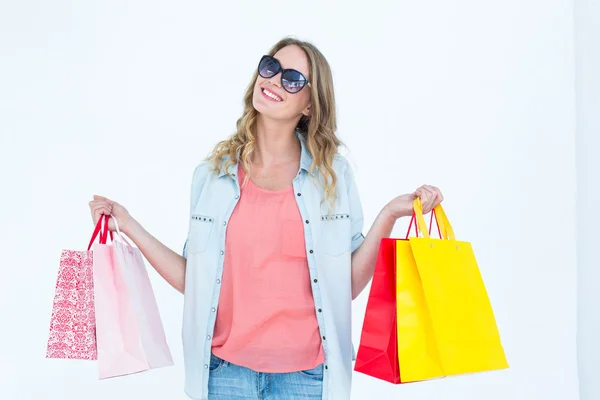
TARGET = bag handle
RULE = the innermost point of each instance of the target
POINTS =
(445, 229)
(102, 229)
(119, 234)
(413, 220)
(446, 222)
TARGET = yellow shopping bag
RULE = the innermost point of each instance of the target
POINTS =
(446, 325)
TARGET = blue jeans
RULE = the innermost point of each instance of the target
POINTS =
(228, 381)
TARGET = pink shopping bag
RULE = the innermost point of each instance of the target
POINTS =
(72, 323)
(129, 330)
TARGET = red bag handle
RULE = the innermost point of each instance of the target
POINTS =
(414, 220)
(103, 234)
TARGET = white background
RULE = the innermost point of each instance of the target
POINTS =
(587, 84)
(123, 99)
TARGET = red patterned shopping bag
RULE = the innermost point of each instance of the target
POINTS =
(73, 322)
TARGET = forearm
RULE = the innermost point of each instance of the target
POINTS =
(365, 257)
(168, 264)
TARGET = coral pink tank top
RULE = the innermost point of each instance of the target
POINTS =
(266, 319)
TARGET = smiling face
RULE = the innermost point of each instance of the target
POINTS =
(272, 101)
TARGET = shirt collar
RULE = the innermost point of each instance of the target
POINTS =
(306, 158)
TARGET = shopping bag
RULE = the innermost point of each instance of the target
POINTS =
(72, 323)
(428, 295)
(418, 354)
(446, 325)
(377, 354)
(143, 302)
(129, 331)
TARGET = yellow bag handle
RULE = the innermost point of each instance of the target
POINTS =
(442, 219)
(441, 215)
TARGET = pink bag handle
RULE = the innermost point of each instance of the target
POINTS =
(119, 234)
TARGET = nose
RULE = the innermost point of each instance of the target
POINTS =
(275, 80)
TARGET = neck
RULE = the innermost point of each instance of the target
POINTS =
(276, 143)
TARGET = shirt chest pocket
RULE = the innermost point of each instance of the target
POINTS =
(335, 234)
(201, 227)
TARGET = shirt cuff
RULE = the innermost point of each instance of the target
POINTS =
(184, 252)
(357, 241)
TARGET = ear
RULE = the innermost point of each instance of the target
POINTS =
(306, 112)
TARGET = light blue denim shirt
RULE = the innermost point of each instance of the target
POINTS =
(329, 239)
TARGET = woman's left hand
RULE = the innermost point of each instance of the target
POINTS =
(402, 206)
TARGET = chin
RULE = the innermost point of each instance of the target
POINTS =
(264, 109)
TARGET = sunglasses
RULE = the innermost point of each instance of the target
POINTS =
(292, 81)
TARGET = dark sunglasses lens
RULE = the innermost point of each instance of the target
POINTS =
(293, 81)
(268, 67)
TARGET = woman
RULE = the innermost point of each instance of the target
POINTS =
(275, 243)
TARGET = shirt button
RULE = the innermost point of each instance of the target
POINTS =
(326, 367)
(205, 366)
(208, 337)
(224, 223)
(306, 221)
(299, 194)
(222, 252)
(213, 309)
(323, 337)
(237, 196)
(320, 310)
(218, 281)
(310, 251)
(315, 281)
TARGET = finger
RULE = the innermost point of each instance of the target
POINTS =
(436, 195)
(428, 199)
(99, 210)
(432, 189)
(93, 207)
(106, 203)
(96, 205)
(424, 194)
(104, 199)
(417, 194)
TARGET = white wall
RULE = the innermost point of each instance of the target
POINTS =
(475, 97)
(587, 84)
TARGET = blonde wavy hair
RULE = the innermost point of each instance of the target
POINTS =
(318, 129)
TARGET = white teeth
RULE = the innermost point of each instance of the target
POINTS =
(271, 95)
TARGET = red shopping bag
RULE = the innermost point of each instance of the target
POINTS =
(378, 350)
(73, 323)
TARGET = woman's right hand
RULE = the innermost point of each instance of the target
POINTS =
(102, 206)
